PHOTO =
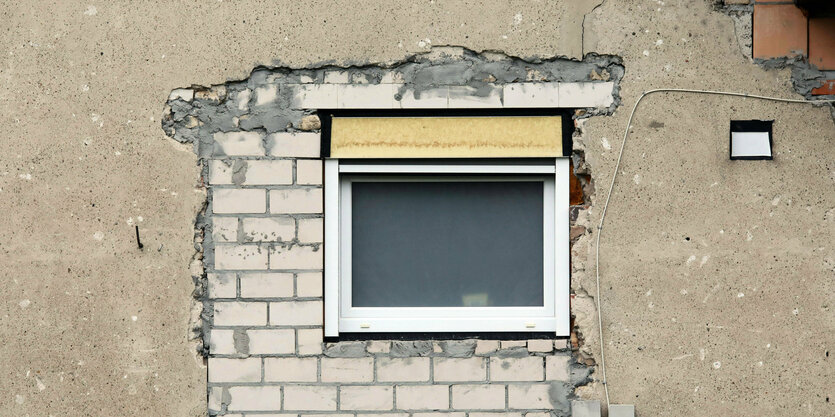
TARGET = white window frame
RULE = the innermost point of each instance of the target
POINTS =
(341, 317)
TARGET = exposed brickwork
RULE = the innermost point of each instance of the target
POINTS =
(259, 143)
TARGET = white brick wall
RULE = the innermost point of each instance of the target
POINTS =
(264, 282)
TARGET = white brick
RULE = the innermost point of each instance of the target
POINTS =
(222, 342)
(254, 398)
(224, 229)
(365, 96)
(295, 144)
(336, 77)
(377, 415)
(460, 369)
(220, 171)
(557, 368)
(215, 398)
(266, 94)
(296, 257)
(423, 397)
(587, 408)
(230, 200)
(269, 172)
(586, 94)
(478, 397)
(235, 313)
(486, 346)
(309, 284)
(290, 369)
(296, 313)
(540, 345)
(309, 171)
(347, 369)
(234, 370)
(240, 257)
(366, 398)
(238, 144)
(517, 369)
(269, 229)
(440, 414)
(311, 230)
(502, 414)
(436, 98)
(222, 285)
(307, 397)
(310, 341)
(465, 97)
(313, 96)
(266, 285)
(403, 369)
(524, 396)
(271, 341)
(304, 200)
(242, 99)
(531, 95)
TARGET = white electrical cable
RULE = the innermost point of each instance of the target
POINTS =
(615, 176)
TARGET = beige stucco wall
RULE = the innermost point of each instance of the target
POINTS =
(84, 156)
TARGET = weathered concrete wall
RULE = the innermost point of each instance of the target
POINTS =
(717, 275)
(83, 85)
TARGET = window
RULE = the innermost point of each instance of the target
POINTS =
(434, 246)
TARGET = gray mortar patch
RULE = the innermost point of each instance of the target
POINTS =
(407, 348)
(239, 171)
(345, 350)
(241, 341)
(459, 348)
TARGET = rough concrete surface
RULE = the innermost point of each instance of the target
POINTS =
(717, 274)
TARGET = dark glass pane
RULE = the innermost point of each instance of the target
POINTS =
(447, 244)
